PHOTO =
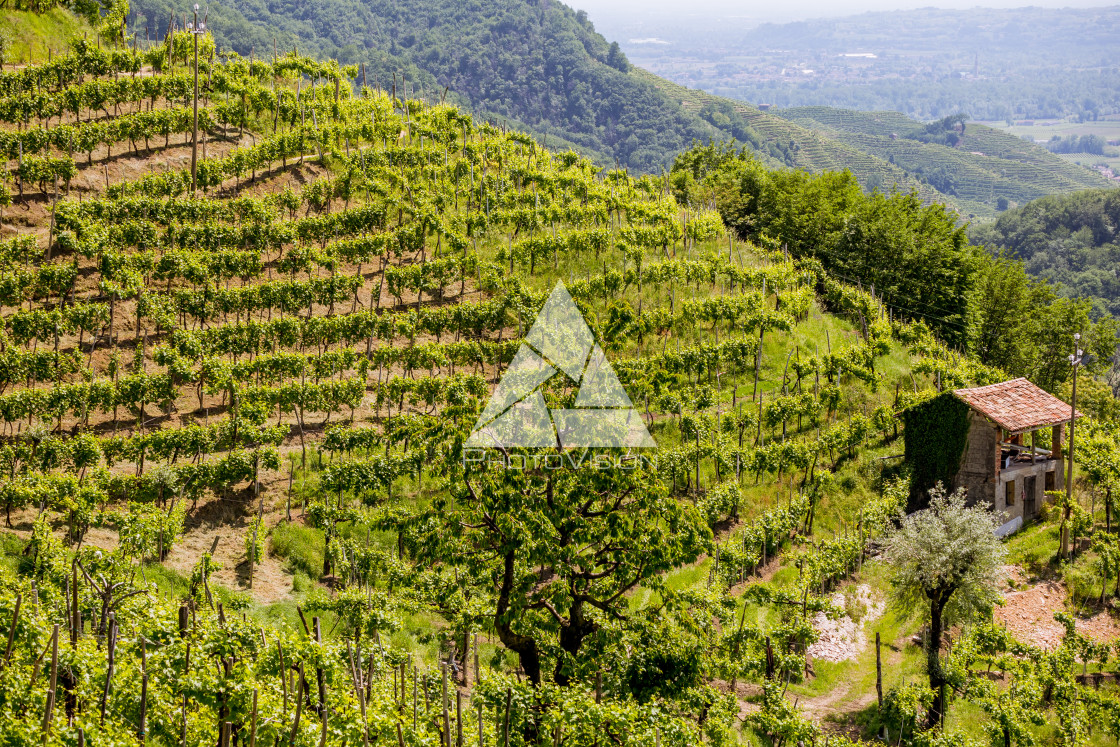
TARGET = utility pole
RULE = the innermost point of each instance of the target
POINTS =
(1077, 359)
(195, 29)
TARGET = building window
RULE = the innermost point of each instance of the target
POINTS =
(1009, 497)
(1049, 483)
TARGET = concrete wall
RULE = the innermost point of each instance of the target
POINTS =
(979, 468)
(1019, 478)
(981, 473)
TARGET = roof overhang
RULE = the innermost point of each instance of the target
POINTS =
(1017, 406)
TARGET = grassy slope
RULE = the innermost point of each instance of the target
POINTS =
(32, 34)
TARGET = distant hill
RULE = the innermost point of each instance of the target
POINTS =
(793, 145)
(978, 168)
(977, 171)
(541, 67)
(538, 66)
(1071, 240)
(1030, 37)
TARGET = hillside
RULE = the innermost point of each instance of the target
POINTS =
(245, 504)
(538, 67)
(543, 69)
(1071, 241)
(979, 170)
(788, 143)
(29, 35)
(984, 170)
(243, 408)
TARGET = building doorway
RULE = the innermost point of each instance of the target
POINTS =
(1030, 489)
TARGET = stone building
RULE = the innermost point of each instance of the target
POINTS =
(995, 430)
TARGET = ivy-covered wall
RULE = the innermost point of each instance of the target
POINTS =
(936, 432)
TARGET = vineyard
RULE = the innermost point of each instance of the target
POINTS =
(234, 407)
(983, 167)
(783, 142)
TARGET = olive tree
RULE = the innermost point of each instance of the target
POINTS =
(946, 561)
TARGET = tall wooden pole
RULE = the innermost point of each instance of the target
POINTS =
(194, 127)
(1072, 421)
(879, 671)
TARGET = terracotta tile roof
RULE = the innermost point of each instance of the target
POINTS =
(1016, 405)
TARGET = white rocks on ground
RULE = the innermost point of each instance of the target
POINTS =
(843, 639)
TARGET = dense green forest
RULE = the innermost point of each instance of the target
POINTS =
(540, 66)
(915, 258)
(1070, 241)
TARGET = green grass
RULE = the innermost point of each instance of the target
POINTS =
(1034, 549)
(687, 577)
(11, 550)
(171, 583)
(300, 545)
(32, 34)
(1084, 581)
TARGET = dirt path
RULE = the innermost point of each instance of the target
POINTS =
(834, 711)
(221, 525)
(834, 706)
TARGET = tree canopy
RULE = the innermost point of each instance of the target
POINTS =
(915, 257)
(562, 548)
(946, 561)
(1071, 241)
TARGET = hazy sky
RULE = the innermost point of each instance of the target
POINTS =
(798, 9)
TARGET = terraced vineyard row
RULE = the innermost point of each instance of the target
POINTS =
(984, 167)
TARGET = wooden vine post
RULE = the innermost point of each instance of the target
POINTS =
(253, 722)
(112, 647)
(48, 712)
(443, 708)
(299, 706)
(260, 514)
(505, 725)
(12, 631)
(879, 671)
(142, 733)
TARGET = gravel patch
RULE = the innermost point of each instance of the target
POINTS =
(844, 639)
